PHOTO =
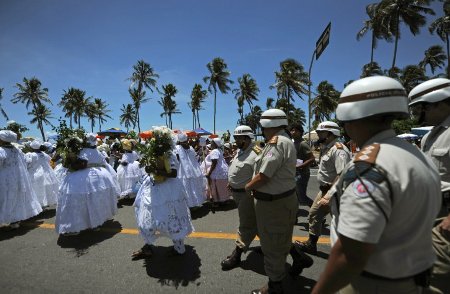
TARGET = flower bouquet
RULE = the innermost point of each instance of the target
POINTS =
(156, 153)
(68, 146)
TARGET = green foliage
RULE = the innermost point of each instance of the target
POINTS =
(17, 128)
(69, 144)
(404, 126)
(160, 144)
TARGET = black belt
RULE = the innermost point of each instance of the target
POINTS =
(237, 190)
(421, 279)
(269, 197)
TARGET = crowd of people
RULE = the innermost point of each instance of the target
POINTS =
(389, 201)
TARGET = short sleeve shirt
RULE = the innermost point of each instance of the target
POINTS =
(332, 162)
(241, 168)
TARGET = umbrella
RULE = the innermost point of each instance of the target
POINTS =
(112, 132)
(212, 136)
(146, 134)
(408, 136)
(420, 131)
(202, 132)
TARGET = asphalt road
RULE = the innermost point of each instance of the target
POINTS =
(34, 259)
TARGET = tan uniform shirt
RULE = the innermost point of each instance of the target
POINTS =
(240, 171)
(334, 158)
(398, 214)
(277, 162)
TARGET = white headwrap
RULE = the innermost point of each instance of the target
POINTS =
(91, 139)
(202, 141)
(48, 145)
(35, 145)
(218, 142)
(182, 137)
(8, 136)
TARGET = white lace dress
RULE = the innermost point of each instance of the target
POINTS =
(87, 197)
(128, 173)
(60, 172)
(17, 198)
(161, 209)
(43, 178)
(190, 173)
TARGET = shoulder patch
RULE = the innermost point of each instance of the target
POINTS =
(368, 154)
(257, 149)
(274, 140)
(339, 145)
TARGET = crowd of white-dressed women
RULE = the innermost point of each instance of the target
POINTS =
(33, 178)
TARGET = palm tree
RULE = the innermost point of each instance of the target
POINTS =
(68, 103)
(434, 57)
(198, 96)
(143, 76)
(252, 118)
(1, 108)
(390, 13)
(269, 102)
(248, 90)
(411, 76)
(290, 80)
(169, 105)
(91, 113)
(377, 30)
(442, 27)
(297, 116)
(128, 116)
(218, 79)
(102, 111)
(326, 101)
(80, 104)
(240, 104)
(371, 69)
(30, 92)
(41, 114)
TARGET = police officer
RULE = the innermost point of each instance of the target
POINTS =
(430, 103)
(386, 199)
(240, 173)
(334, 157)
(273, 187)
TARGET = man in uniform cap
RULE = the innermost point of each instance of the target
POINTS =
(333, 158)
(385, 202)
(273, 186)
(430, 103)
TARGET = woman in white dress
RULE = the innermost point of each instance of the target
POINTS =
(217, 174)
(17, 198)
(161, 210)
(128, 173)
(42, 176)
(190, 173)
(88, 195)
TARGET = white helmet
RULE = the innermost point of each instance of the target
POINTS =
(329, 126)
(244, 131)
(273, 118)
(431, 91)
(372, 96)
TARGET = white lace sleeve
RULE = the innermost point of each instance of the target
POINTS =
(2, 156)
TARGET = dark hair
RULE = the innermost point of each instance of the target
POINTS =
(297, 127)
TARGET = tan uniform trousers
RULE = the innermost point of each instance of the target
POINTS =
(440, 278)
(366, 285)
(316, 215)
(275, 221)
(247, 219)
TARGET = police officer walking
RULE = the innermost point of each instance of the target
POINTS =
(273, 187)
(334, 157)
(240, 173)
(430, 103)
(386, 199)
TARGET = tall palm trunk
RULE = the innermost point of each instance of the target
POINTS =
(215, 92)
(41, 128)
(396, 40)
(138, 120)
(373, 47)
(198, 119)
(99, 124)
(71, 121)
(92, 126)
(79, 121)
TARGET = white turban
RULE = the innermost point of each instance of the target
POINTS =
(91, 139)
(8, 136)
(48, 145)
(202, 141)
(218, 142)
(35, 145)
(182, 137)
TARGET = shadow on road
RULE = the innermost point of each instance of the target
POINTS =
(7, 233)
(173, 270)
(299, 285)
(125, 202)
(199, 212)
(81, 242)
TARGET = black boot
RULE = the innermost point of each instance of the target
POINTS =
(300, 261)
(270, 288)
(233, 260)
(309, 246)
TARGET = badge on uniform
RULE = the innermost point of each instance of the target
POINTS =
(269, 154)
(360, 188)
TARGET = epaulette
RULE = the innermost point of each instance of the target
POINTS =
(274, 140)
(368, 154)
(257, 149)
(339, 145)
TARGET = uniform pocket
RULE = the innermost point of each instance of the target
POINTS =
(442, 158)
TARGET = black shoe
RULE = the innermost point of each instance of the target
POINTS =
(300, 261)
(270, 288)
(308, 247)
(232, 261)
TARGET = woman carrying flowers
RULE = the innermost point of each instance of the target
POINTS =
(160, 206)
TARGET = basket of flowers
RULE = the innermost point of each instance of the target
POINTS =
(68, 146)
(155, 154)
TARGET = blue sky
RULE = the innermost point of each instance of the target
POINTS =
(92, 45)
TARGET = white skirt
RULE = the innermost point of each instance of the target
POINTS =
(195, 190)
(128, 176)
(87, 198)
(162, 210)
